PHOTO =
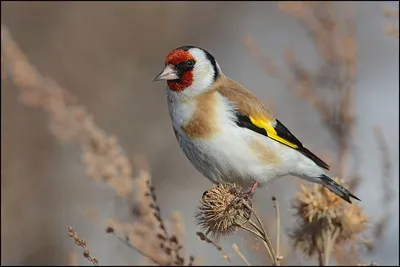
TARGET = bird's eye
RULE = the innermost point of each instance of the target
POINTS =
(186, 65)
(190, 63)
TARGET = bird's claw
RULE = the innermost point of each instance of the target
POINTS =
(239, 197)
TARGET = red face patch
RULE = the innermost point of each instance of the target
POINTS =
(175, 58)
(183, 83)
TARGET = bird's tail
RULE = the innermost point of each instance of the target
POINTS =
(337, 188)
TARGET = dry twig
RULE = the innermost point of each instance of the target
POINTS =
(278, 222)
(149, 234)
(203, 237)
(240, 254)
(82, 243)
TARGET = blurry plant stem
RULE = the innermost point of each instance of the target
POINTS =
(328, 237)
(262, 237)
(203, 237)
(240, 254)
(276, 206)
(137, 249)
(262, 234)
(320, 260)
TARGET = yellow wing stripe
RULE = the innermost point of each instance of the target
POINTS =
(264, 124)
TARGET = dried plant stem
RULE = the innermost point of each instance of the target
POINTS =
(240, 254)
(387, 168)
(256, 233)
(258, 229)
(137, 249)
(320, 260)
(203, 237)
(261, 229)
(276, 206)
(266, 239)
(271, 255)
(82, 243)
(260, 233)
(268, 244)
(329, 241)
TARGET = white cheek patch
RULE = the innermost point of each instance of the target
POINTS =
(203, 73)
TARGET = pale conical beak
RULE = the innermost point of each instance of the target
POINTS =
(167, 74)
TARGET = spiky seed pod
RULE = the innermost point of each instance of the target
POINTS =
(322, 213)
(222, 208)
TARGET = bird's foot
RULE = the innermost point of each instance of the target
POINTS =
(246, 196)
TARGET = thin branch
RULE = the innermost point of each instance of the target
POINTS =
(263, 239)
(329, 242)
(256, 233)
(203, 237)
(82, 243)
(240, 254)
(276, 206)
(266, 239)
(320, 260)
(126, 242)
(387, 168)
(258, 229)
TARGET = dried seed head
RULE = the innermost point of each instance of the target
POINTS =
(353, 222)
(86, 253)
(222, 209)
(322, 212)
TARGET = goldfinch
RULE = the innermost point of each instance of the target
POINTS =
(227, 133)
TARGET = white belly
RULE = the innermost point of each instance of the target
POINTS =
(228, 158)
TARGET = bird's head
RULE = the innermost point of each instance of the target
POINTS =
(189, 70)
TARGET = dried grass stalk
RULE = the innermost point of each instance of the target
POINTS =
(102, 155)
(82, 243)
(240, 254)
(148, 234)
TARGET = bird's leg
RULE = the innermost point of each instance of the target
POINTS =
(254, 188)
(250, 194)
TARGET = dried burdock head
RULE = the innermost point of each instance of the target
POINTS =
(222, 209)
(325, 216)
(317, 203)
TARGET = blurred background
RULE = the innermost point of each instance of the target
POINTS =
(106, 54)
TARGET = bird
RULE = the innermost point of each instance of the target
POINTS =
(227, 133)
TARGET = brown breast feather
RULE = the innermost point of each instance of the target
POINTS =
(204, 123)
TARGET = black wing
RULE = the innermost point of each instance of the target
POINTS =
(283, 133)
